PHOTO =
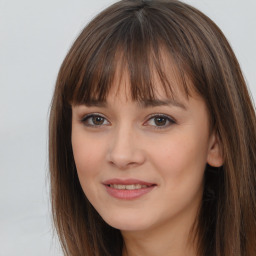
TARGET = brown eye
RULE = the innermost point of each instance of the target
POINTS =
(94, 120)
(98, 120)
(160, 121)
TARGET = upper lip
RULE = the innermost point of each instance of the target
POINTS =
(127, 182)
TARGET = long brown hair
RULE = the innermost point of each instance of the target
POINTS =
(133, 32)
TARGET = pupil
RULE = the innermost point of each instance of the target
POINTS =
(97, 120)
(160, 121)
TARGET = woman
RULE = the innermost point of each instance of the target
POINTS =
(153, 138)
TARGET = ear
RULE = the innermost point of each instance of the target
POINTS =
(215, 151)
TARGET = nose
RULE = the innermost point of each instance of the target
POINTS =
(125, 149)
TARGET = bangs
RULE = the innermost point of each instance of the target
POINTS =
(139, 43)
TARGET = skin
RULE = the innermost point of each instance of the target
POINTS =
(128, 142)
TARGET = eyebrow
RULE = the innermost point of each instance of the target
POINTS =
(142, 103)
(157, 103)
(96, 103)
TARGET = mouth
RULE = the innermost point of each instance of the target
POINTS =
(128, 189)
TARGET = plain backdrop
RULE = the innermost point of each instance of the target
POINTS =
(34, 38)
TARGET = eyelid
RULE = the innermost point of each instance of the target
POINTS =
(87, 116)
(170, 119)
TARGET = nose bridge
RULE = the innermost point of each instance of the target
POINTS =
(124, 149)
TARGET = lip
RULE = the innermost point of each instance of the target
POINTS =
(127, 182)
(126, 194)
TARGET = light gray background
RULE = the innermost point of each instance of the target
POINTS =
(34, 38)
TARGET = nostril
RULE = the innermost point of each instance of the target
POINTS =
(124, 152)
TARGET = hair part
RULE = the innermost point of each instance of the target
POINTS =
(132, 36)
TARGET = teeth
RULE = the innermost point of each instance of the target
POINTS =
(128, 187)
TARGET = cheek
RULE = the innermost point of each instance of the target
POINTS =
(181, 159)
(180, 164)
(88, 155)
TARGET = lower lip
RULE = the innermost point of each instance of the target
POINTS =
(126, 194)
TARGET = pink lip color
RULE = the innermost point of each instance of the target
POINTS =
(127, 194)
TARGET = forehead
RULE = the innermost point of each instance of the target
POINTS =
(158, 75)
(167, 83)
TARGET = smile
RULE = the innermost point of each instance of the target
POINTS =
(128, 187)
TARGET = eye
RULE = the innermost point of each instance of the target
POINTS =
(160, 121)
(94, 120)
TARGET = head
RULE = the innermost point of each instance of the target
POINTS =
(146, 51)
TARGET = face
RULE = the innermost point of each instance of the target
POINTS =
(141, 164)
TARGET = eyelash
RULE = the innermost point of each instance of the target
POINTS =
(86, 118)
(167, 119)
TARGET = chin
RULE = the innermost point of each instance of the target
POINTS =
(132, 222)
